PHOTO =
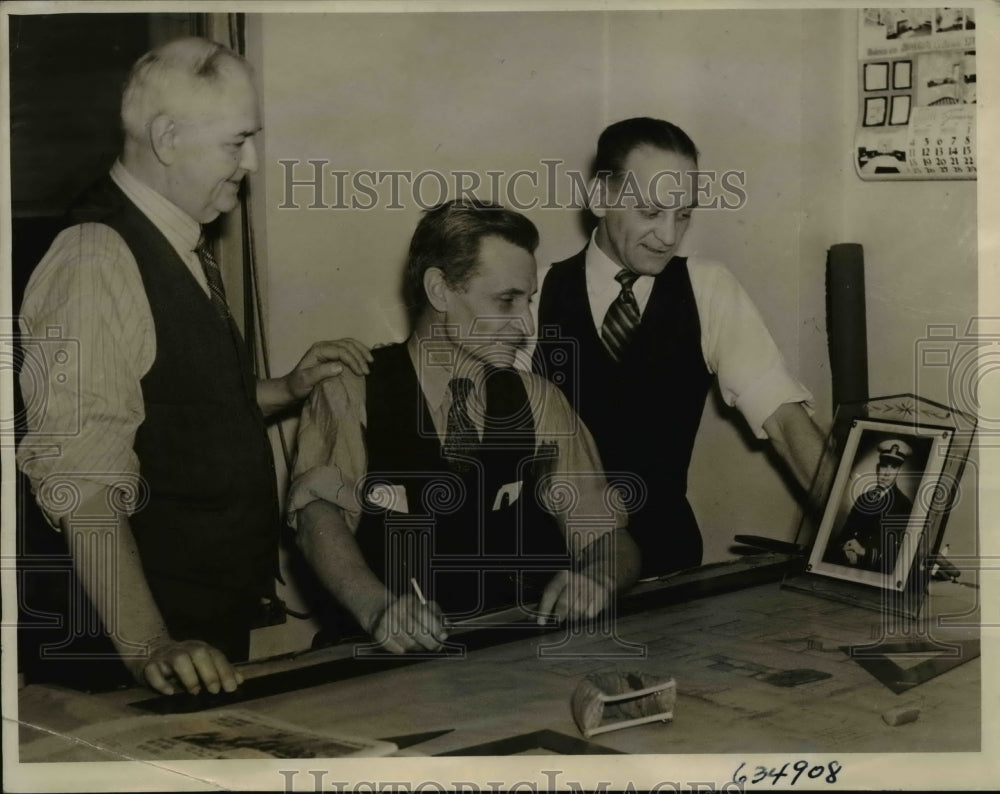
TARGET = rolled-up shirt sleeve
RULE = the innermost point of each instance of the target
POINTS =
(331, 456)
(574, 487)
(739, 349)
(88, 339)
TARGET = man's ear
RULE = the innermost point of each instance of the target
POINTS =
(163, 138)
(436, 289)
(597, 196)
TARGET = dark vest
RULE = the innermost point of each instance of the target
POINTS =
(208, 534)
(643, 411)
(473, 534)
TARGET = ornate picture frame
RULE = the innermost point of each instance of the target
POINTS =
(880, 504)
(879, 516)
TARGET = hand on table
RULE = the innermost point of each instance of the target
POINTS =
(188, 665)
(573, 595)
(408, 625)
(854, 551)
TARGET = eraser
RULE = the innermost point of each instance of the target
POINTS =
(900, 715)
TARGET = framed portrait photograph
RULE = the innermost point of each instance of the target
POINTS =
(880, 506)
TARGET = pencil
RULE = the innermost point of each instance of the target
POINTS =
(417, 590)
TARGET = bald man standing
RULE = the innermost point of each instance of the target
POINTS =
(167, 402)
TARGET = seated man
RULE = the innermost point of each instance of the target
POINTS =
(445, 471)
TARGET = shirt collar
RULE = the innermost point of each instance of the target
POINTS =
(181, 230)
(600, 266)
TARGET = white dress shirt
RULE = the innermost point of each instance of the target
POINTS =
(735, 342)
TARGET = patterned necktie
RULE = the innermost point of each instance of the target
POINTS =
(461, 436)
(622, 318)
(214, 278)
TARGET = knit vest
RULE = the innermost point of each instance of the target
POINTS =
(644, 410)
(471, 532)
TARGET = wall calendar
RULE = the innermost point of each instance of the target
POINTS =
(916, 94)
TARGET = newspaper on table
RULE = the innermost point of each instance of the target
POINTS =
(228, 733)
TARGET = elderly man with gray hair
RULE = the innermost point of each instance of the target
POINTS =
(167, 398)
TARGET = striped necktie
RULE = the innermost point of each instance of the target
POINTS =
(622, 318)
(461, 436)
(213, 276)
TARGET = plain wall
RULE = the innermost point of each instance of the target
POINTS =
(768, 92)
